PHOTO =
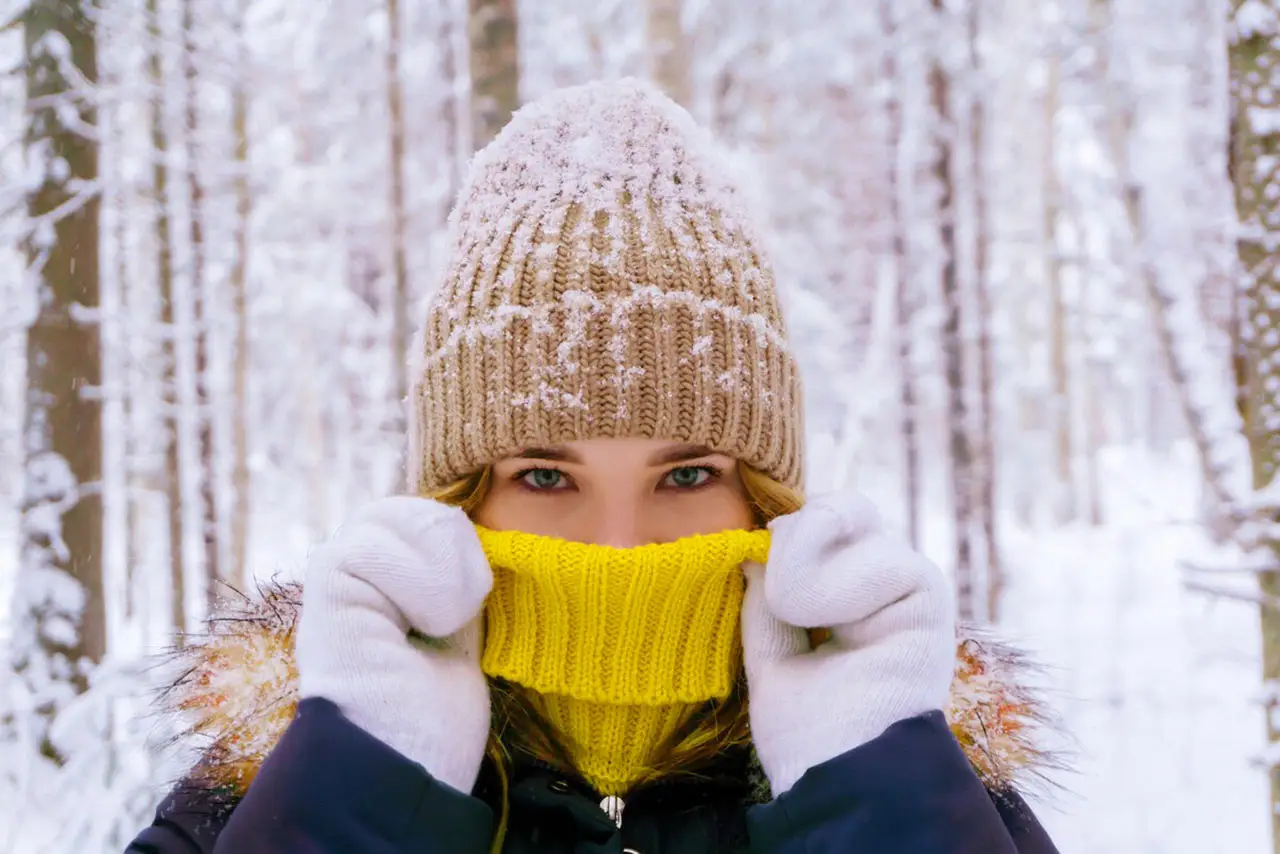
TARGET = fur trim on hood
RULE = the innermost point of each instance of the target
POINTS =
(237, 688)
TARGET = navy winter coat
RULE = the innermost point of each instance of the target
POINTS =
(329, 787)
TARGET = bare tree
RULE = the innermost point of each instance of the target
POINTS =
(1255, 77)
(113, 124)
(985, 486)
(1064, 497)
(169, 350)
(903, 302)
(1181, 343)
(241, 478)
(453, 162)
(1093, 306)
(60, 619)
(495, 67)
(400, 324)
(203, 317)
(961, 449)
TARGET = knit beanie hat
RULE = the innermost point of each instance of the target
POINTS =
(605, 280)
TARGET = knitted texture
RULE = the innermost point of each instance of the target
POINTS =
(612, 745)
(402, 567)
(621, 643)
(605, 280)
(891, 653)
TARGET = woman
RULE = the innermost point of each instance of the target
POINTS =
(603, 622)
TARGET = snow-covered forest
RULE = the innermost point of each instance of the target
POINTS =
(1026, 248)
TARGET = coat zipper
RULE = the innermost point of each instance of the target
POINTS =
(613, 807)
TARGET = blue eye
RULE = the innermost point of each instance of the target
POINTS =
(689, 477)
(542, 479)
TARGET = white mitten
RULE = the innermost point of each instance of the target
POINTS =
(891, 654)
(399, 564)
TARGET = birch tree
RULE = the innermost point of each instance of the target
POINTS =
(60, 620)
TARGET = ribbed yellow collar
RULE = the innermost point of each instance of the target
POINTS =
(621, 643)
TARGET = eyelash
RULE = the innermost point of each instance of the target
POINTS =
(519, 478)
(713, 475)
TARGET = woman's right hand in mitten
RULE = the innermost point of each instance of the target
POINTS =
(402, 564)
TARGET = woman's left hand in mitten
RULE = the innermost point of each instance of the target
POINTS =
(891, 651)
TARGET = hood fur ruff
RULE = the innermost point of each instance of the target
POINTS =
(236, 691)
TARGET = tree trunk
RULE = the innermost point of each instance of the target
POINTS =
(130, 392)
(985, 497)
(495, 67)
(60, 628)
(237, 574)
(401, 328)
(1064, 494)
(209, 527)
(1094, 390)
(667, 50)
(1255, 73)
(169, 351)
(899, 176)
(1181, 343)
(962, 457)
(453, 163)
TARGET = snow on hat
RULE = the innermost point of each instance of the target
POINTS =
(605, 280)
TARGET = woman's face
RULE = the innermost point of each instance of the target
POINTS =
(616, 492)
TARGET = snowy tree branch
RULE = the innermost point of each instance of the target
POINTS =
(1229, 570)
(1254, 597)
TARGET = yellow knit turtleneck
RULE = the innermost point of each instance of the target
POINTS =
(622, 644)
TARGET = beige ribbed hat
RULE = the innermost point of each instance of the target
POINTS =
(605, 280)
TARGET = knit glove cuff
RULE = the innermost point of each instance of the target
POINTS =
(891, 653)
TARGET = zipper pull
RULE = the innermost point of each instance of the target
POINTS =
(613, 807)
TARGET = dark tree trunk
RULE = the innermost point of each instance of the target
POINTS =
(59, 615)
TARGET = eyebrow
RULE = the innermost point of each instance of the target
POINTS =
(679, 454)
(561, 453)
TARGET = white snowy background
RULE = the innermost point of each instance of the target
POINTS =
(1159, 684)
